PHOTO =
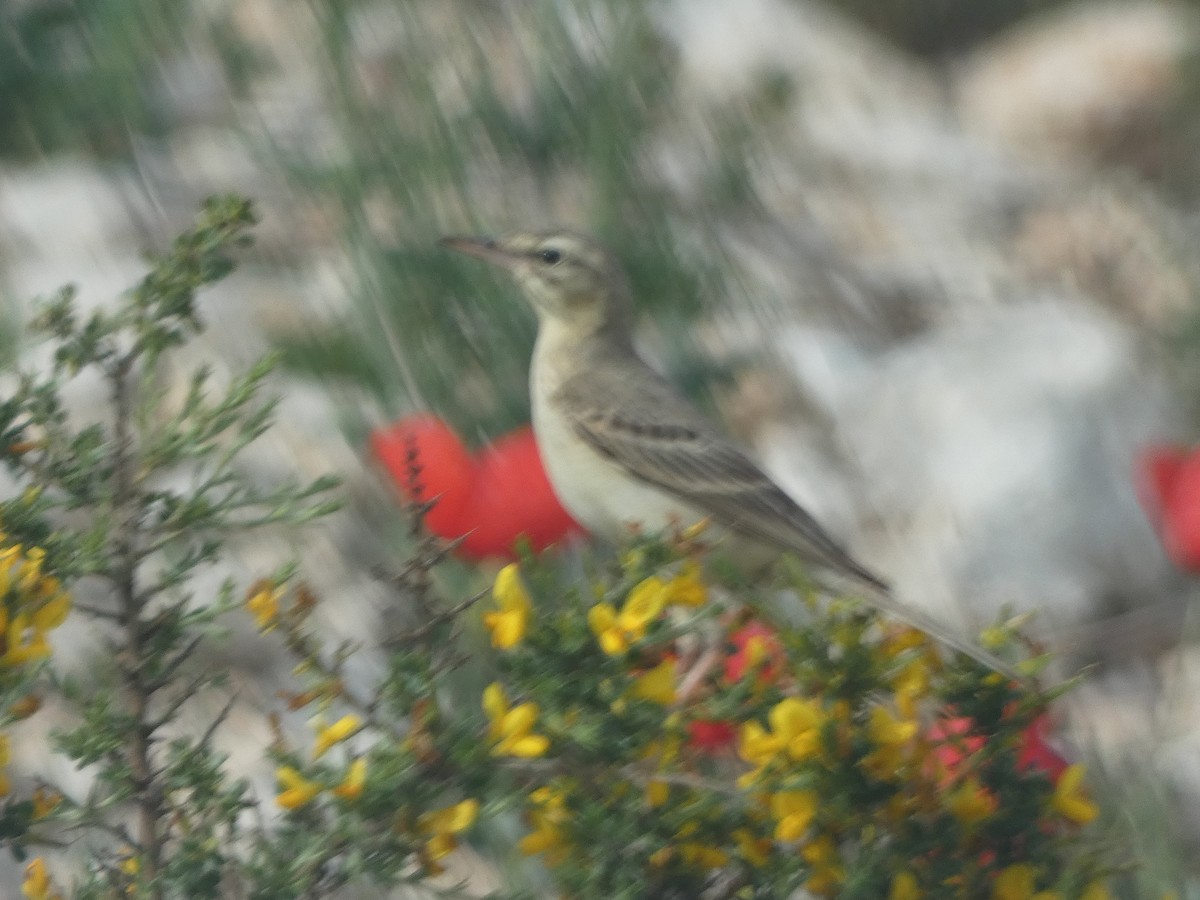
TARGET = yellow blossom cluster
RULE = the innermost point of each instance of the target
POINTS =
(1019, 882)
(439, 828)
(549, 817)
(618, 630)
(296, 790)
(510, 728)
(38, 885)
(804, 737)
(34, 604)
(443, 826)
(794, 735)
(262, 602)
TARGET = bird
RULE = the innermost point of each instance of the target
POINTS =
(622, 447)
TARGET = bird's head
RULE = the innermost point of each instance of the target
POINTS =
(567, 277)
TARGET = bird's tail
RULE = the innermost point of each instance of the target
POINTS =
(877, 593)
(880, 597)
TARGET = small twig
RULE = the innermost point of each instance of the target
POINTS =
(98, 613)
(172, 667)
(220, 718)
(181, 698)
(696, 674)
(438, 619)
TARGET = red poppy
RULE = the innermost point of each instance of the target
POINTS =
(1168, 482)
(490, 499)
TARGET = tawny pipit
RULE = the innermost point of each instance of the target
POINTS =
(621, 447)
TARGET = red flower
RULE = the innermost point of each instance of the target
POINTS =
(711, 735)
(955, 740)
(1168, 482)
(490, 499)
(953, 743)
(757, 648)
(1037, 754)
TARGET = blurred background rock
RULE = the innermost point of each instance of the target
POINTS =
(934, 261)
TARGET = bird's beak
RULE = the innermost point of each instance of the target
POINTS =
(487, 249)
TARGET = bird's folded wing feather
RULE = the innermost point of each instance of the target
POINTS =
(658, 438)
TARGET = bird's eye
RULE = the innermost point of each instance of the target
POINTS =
(550, 256)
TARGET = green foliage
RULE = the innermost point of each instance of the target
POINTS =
(97, 503)
(76, 74)
(429, 331)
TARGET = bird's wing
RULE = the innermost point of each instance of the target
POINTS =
(641, 424)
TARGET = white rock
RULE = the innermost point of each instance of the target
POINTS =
(999, 455)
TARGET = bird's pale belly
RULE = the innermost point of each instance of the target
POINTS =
(597, 493)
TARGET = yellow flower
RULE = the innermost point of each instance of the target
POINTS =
(509, 624)
(911, 685)
(1097, 890)
(263, 604)
(904, 887)
(757, 745)
(1070, 800)
(793, 812)
(5, 755)
(602, 619)
(351, 787)
(328, 735)
(53, 612)
(827, 872)
(889, 731)
(617, 630)
(657, 792)
(37, 884)
(512, 729)
(754, 850)
(29, 573)
(686, 588)
(129, 863)
(45, 802)
(892, 737)
(548, 818)
(8, 556)
(1018, 882)
(702, 856)
(21, 646)
(443, 826)
(643, 605)
(795, 731)
(297, 790)
(657, 685)
(970, 802)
